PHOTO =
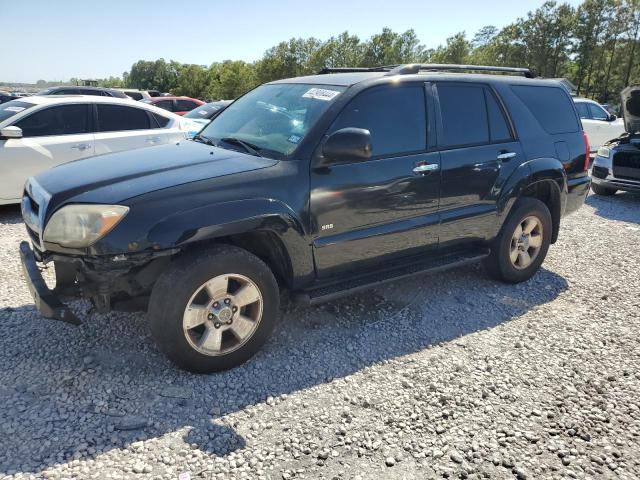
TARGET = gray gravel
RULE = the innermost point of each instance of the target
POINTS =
(451, 375)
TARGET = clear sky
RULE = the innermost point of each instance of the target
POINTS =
(57, 40)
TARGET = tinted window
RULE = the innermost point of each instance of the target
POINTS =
(464, 115)
(395, 116)
(551, 106)
(114, 118)
(91, 92)
(498, 126)
(598, 113)
(185, 105)
(60, 120)
(162, 121)
(583, 111)
(134, 95)
(166, 104)
(13, 107)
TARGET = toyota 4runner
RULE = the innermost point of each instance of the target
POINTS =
(319, 186)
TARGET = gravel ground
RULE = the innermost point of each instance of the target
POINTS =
(451, 375)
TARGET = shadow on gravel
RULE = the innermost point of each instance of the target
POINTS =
(10, 214)
(622, 206)
(77, 392)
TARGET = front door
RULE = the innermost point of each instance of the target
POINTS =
(367, 214)
(50, 136)
(478, 151)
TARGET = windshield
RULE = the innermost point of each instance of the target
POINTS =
(272, 118)
(9, 109)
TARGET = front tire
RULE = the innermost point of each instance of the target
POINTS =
(522, 244)
(601, 190)
(214, 309)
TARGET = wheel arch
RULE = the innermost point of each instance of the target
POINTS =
(267, 228)
(543, 179)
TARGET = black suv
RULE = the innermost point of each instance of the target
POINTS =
(617, 163)
(319, 186)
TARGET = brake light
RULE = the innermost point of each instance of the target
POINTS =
(587, 151)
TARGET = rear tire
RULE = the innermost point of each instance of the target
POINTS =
(522, 244)
(601, 190)
(214, 309)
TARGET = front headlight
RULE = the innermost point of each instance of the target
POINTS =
(604, 152)
(78, 226)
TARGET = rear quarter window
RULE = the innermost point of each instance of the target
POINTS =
(551, 106)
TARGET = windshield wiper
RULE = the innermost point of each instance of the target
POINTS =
(249, 147)
(203, 139)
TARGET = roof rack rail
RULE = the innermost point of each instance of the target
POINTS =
(434, 67)
(412, 68)
(384, 68)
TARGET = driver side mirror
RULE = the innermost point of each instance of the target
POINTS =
(347, 145)
(7, 133)
(612, 118)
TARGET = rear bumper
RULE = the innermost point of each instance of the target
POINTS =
(45, 300)
(577, 191)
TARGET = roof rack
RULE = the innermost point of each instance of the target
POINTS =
(412, 68)
(384, 68)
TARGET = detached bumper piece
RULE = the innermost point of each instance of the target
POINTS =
(46, 301)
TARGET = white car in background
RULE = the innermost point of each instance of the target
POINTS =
(600, 125)
(37, 133)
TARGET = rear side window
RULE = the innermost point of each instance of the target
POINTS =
(160, 120)
(551, 106)
(115, 118)
(464, 115)
(185, 105)
(394, 115)
(498, 127)
(60, 120)
(134, 95)
(166, 104)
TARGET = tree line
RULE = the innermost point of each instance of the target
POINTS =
(596, 46)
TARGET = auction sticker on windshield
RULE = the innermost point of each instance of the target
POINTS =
(321, 94)
(14, 109)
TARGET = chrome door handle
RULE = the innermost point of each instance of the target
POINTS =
(426, 168)
(81, 146)
(506, 156)
(153, 139)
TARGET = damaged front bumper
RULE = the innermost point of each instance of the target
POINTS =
(45, 299)
(116, 282)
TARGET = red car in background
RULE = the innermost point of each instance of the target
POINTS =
(177, 105)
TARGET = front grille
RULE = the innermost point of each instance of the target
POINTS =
(599, 172)
(627, 165)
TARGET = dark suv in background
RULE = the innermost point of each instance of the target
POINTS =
(73, 90)
(319, 186)
(617, 163)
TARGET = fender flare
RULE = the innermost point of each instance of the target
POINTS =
(208, 223)
(528, 174)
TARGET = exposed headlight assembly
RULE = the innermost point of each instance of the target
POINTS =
(604, 152)
(79, 226)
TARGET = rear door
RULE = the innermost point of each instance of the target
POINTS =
(366, 214)
(478, 149)
(121, 127)
(50, 136)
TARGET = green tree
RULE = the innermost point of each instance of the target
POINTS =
(230, 79)
(390, 48)
(456, 50)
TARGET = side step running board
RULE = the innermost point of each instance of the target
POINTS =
(331, 292)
